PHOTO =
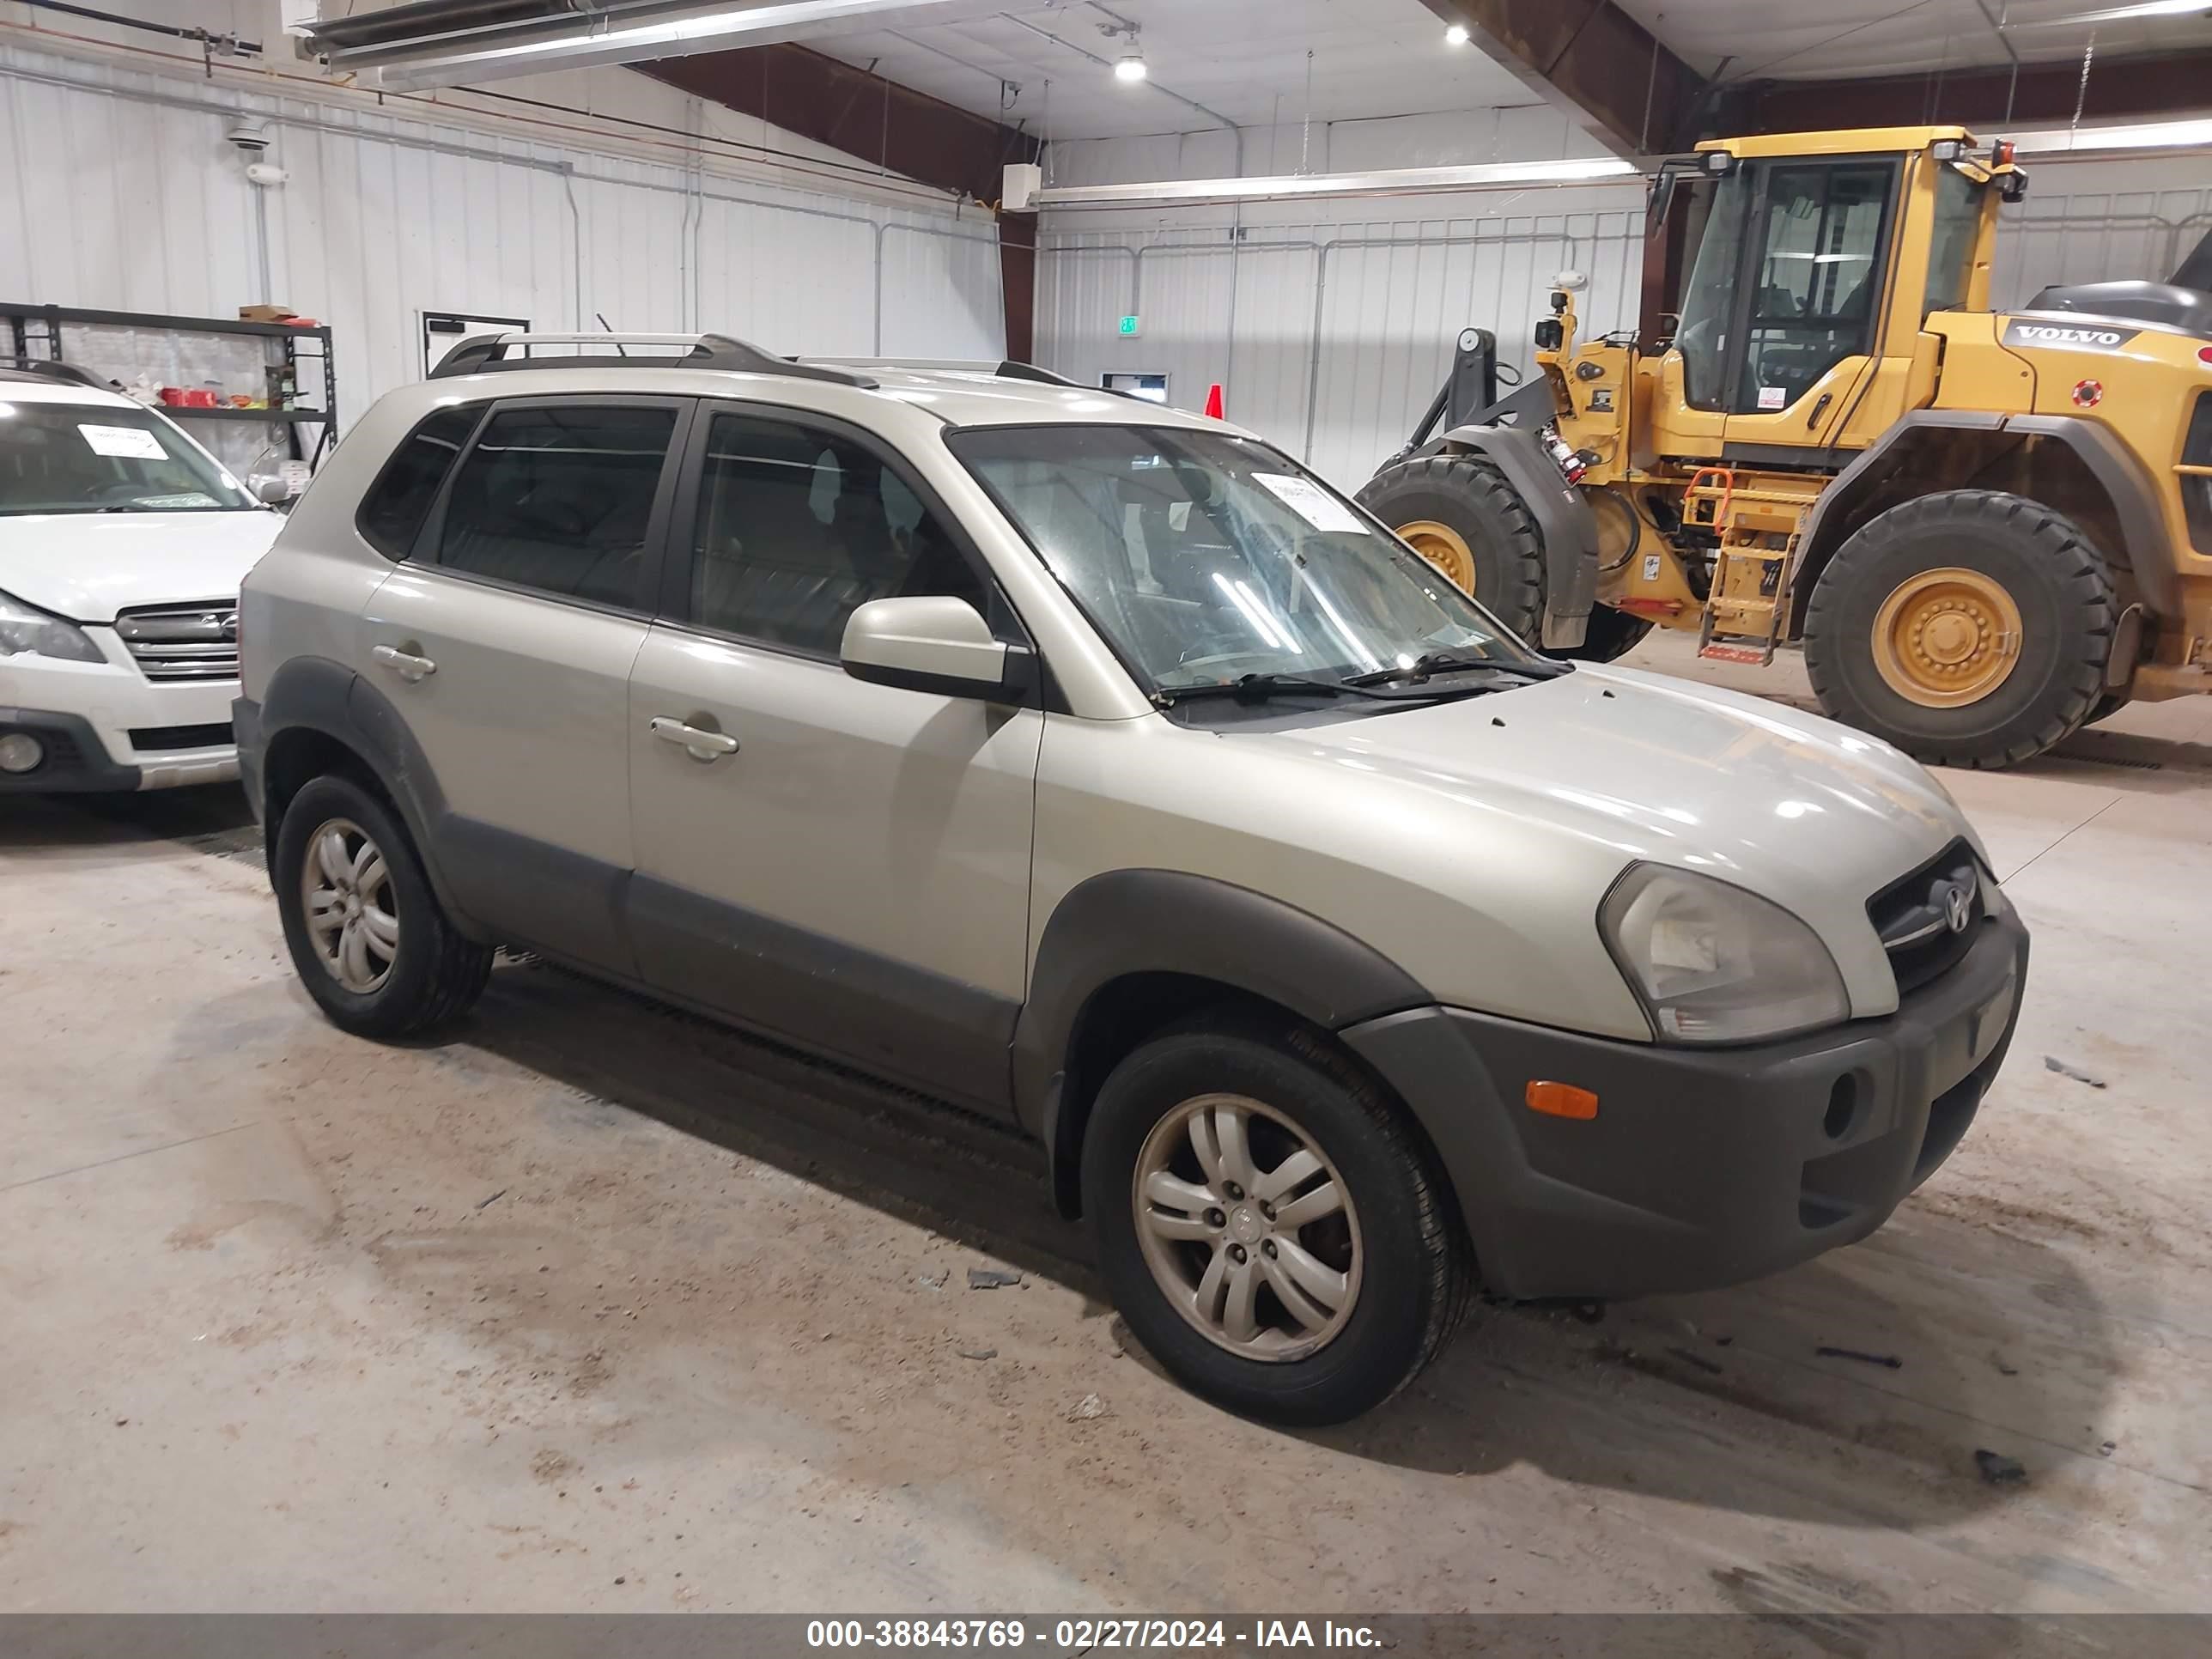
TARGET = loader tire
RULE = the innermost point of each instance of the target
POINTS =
(1460, 514)
(1969, 628)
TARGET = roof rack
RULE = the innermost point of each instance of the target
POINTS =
(486, 353)
(51, 368)
(1005, 369)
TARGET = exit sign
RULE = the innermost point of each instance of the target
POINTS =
(1131, 327)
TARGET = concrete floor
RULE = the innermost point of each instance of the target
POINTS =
(594, 1307)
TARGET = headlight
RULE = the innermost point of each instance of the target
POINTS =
(33, 632)
(1713, 963)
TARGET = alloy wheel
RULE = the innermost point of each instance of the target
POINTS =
(352, 914)
(1247, 1228)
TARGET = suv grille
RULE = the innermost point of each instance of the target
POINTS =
(183, 642)
(1927, 919)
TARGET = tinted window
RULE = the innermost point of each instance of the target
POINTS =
(393, 509)
(798, 527)
(560, 499)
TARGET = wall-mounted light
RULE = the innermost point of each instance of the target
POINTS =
(1130, 68)
(1457, 35)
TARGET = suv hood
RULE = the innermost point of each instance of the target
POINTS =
(88, 566)
(1635, 766)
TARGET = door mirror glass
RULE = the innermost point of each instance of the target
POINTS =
(932, 642)
(269, 489)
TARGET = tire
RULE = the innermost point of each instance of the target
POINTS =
(1470, 498)
(1397, 1244)
(2004, 549)
(1612, 634)
(429, 975)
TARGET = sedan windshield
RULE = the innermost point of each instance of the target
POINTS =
(1206, 557)
(102, 458)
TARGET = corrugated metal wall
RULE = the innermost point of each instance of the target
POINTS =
(1332, 337)
(119, 191)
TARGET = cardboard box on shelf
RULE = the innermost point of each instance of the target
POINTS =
(266, 313)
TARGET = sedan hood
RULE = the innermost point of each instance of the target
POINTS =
(88, 566)
(1808, 814)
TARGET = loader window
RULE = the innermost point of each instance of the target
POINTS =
(1951, 248)
(1711, 298)
(1817, 283)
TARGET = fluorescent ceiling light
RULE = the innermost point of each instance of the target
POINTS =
(2118, 14)
(656, 28)
(1396, 181)
(2155, 134)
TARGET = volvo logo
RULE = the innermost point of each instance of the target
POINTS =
(2059, 334)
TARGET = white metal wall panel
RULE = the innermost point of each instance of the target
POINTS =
(2091, 235)
(118, 190)
(1330, 337)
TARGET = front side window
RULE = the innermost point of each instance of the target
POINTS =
(1818, 280)
(559, 499)
(396, 505)
(1204, 557)
(798, 528)
(105, 457)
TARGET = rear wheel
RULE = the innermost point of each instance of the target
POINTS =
(1611, 634)
(368, 938)
(1270, 1229)
(1460, 514)
(1969, 628)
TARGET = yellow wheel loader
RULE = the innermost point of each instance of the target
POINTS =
(1983, 529)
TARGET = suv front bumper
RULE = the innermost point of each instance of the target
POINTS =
(1703, 1167)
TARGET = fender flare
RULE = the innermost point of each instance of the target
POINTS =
(1563, 518)
(2135, 497)
(318, 694)
(1142, 922)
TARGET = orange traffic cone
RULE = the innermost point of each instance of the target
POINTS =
(1213, 402)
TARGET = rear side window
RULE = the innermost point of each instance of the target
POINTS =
(561, 500)
(394, 510)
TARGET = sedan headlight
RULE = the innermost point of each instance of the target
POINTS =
(1713, 963)
(26, 631)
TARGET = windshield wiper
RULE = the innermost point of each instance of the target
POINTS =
(1251, 688)
(1417, 671)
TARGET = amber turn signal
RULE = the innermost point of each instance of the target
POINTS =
(1561, 1100)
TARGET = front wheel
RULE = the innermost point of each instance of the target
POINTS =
(1969, 628)
(1462, 515)
(1270, 1230)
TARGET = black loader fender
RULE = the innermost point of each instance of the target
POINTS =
(1563, 518)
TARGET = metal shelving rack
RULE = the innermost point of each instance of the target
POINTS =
(40, 326)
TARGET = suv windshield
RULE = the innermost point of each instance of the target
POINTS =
(1204, 557)
(103, 458)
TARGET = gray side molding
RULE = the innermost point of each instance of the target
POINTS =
(1563, 517)
(2134, 499)
(1165, 921)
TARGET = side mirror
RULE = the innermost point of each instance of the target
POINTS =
(271, 489)
(933, 642)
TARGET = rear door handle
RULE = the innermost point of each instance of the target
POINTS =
(695, 741)
(404, 664)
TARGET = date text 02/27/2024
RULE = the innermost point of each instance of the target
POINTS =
(1088, 1635)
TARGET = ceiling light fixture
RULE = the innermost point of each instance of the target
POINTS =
(1131, 68)
(2113, 15)
(1457, 35)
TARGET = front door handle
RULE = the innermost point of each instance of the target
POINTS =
(405, 664)
(695, 741)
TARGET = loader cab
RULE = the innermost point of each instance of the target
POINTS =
(1809, 265)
